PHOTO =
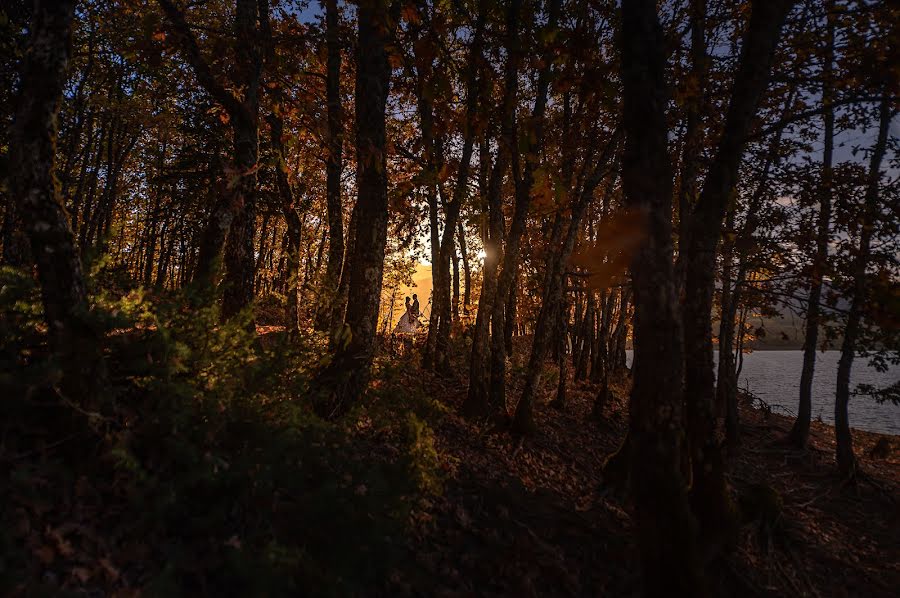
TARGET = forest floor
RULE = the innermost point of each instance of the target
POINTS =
(531, 518)
(503, 516)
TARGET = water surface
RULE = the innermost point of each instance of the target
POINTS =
(774, 376)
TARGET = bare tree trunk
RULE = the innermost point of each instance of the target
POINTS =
(340, 307)
(665, 527)
(236, 212)
(454, 259)
(587, 336)
(693, 135)
(292, 220)
(531, 142)
(554, 279)
(562, 358)
(34, 190)
(709, 493)
(467, 294)
(799, 434)
(725, 373)
(333, 168)
(479, 401)
(346, 378)
(846, 459)
(436, 354)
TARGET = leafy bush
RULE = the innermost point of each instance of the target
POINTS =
(206, 473)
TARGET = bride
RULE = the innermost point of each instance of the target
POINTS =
(408, 323)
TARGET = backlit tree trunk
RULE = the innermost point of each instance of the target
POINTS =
(333, 168)
(345, 379)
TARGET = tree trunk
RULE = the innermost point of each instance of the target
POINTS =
(346, 378)
(236, 212)
(454, 259)
(437, 356)
(725, 381)
(291, 218)
(587, 339)
(665, 528)
(479, 402)
(36, 196)
(467, 274)
(846, 459)
(799, 434)
(333, 168)
(709, 493)
(528, 145)
(554, 288)
(562, 356)
(692, 144)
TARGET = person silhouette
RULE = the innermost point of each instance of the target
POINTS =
(414, 310)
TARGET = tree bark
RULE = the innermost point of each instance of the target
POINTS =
(665, 527)
(35, 191)
(693, 134)
(528, 145)
(346, 378)
(799, 434)
(479, 401)
(436, 347)
(236, 212)
(333, 168)
(846, 459)
(709, 493)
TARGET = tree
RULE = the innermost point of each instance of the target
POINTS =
(35, 192)
(846, 459)
(345, 379)
(799, 434)
(235, 213)
(665, 527)
(329, 312)
(709, 495)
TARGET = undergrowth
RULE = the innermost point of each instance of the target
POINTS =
(204, 471)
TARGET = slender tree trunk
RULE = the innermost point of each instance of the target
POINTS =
(562, 357)
(34, 190)
(346, 378)
(554, 289)
(510, 326)
(467, 274)
(799, 434)
(664, 525)
(725, 372)
(291, 218)
(846, 459)
(688, 184)
(709, 493)
(441, 294)
(340, 308)
(531, 141)
(479, 401)
(333, 168)
(587, 336)
(454, 259)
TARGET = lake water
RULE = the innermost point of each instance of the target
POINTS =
(774, 376)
